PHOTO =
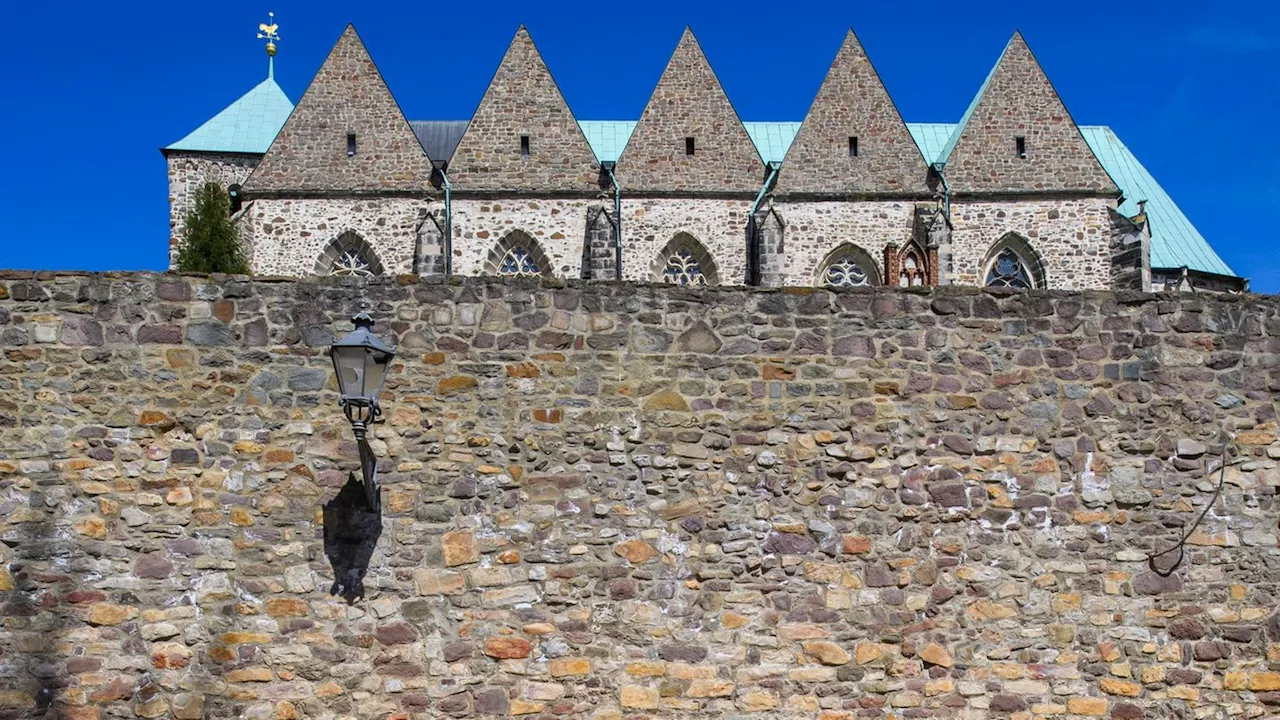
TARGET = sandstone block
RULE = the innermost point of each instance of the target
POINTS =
(635, 551)
(935, 654)
(459, 548)
(1091, 707)
(562, 667)
(638, 697)
(827, 653)
(506, 647)
(437, 582)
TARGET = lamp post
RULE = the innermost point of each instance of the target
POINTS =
(360, 361)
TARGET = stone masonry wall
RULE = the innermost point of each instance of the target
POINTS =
(720, 225)
(814, 229)
(1018, 100)
(187, 173)
(689, 102)
(523, 100)
(1073, 238)
(853, 103)
(289, 236)
(615, 501)
(347, 96)
(559, 226)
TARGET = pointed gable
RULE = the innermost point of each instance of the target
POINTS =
(523, 135)
(1018, 101)
(347, 97)
(690, 111)
(853, 104)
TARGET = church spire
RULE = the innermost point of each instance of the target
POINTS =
(269, 31)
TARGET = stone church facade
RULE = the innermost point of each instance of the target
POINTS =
(1013, 195)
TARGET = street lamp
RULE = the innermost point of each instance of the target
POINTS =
(360, 361)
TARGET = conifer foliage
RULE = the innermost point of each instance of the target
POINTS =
(210, 241)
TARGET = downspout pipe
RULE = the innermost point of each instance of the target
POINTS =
(946, 190)
(751, 221)
(608, 166)
(447, 245)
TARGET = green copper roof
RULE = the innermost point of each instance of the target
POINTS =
(247, 125)
(772, 138)
(607, 138)
(1175, 242)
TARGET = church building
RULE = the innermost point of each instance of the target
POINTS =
(1015, 194)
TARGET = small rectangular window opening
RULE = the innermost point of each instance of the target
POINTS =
(351, 144)
(1021, 144)
(524, 146)
(688, 146)
(853, 146)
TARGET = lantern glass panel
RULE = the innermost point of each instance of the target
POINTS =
(375, 370)
(349, 364)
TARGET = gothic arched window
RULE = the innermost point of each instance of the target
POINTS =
(912, 268)
(349, 256)
(684, 261)
(848, 266)
(518, 255)
(1013, 263)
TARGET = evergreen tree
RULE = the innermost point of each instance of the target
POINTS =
(210, 241)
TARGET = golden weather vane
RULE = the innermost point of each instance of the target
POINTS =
(268, 31)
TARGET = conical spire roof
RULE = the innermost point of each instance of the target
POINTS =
(523, 135)
(853, 140)
(347, 134)
(689, 111)
(1018, 101)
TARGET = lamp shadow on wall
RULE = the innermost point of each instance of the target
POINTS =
(351, 532)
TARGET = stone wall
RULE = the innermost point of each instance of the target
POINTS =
(289, 236)
(558, 226)
(689, 104)
(720, 226)
(1018, 101)
(1072, 237)
(187, 173)
(345, 136)
(523, 101)
(814, 229)
(613, 501)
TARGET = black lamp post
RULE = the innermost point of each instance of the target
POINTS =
(360, 360)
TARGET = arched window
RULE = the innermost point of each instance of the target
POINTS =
(913, 270)
(349, 255)
(684, 261)
(1013, 263)
(848, 266)
(518, 255)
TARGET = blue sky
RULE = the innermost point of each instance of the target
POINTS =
(94, 90)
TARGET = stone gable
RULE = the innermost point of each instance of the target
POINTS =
(689, 102)
(853, 103)
(1019, 101)
(348, 96)
(523, 100)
